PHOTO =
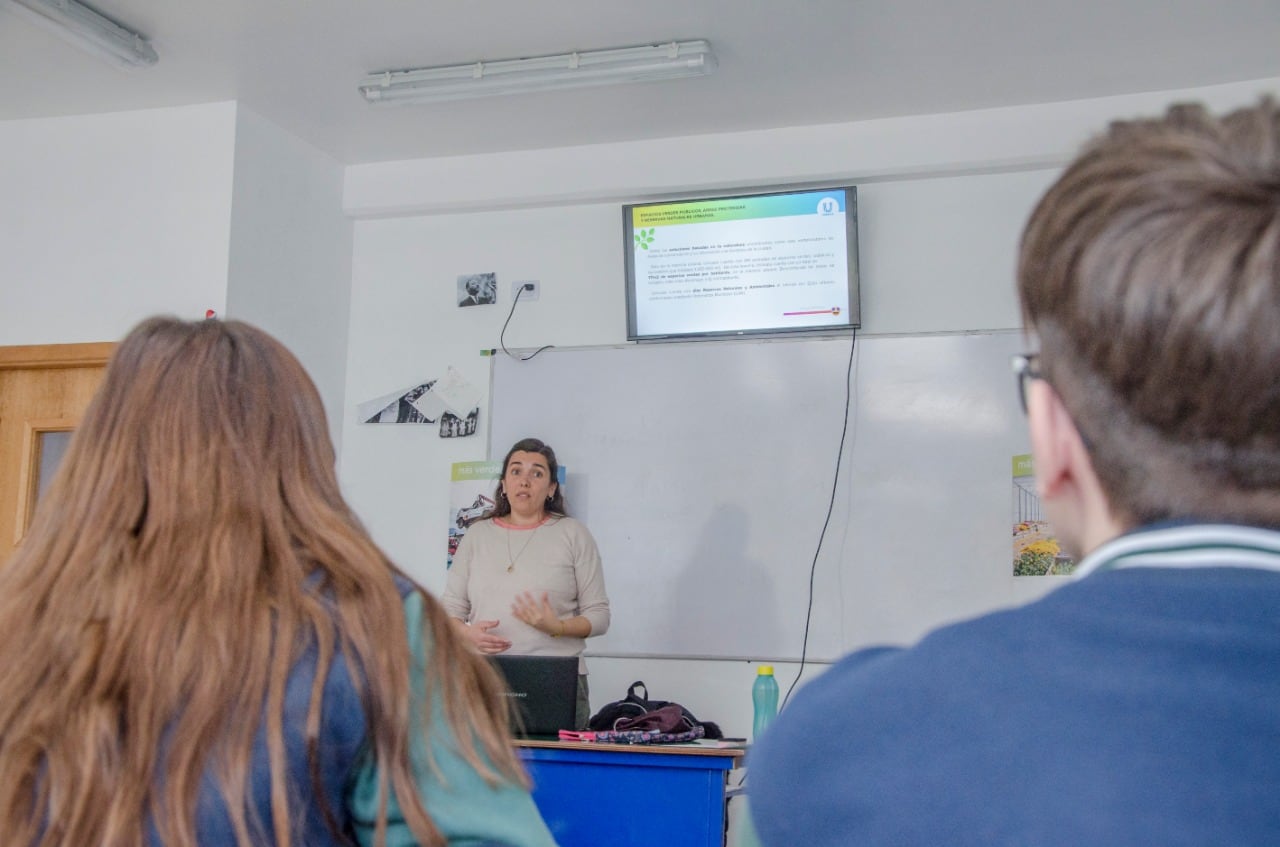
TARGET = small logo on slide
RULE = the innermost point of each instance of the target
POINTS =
(828, 206)
(644, 238)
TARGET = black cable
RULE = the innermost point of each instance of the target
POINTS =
(502, 335)
(813, 567)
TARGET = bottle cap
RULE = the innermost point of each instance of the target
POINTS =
(764, 670)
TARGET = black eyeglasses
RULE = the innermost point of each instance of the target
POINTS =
(1026, 367)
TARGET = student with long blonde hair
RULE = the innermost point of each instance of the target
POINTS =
(203, 646)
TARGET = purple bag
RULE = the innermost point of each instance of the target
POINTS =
(668, 718)
(632, 713)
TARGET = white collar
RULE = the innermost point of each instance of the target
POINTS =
(1187, 546)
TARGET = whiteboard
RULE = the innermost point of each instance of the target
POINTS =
(705, 470)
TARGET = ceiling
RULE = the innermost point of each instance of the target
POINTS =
(297, 62)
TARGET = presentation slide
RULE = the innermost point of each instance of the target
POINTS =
(744, 264)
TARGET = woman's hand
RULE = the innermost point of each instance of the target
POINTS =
(537, 613)
(486, 642)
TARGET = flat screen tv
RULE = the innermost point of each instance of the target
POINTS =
(747, 264)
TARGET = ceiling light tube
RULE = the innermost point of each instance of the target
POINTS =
(541, 73)
(88, 29)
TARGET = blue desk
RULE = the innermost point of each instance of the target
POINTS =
(599, 795)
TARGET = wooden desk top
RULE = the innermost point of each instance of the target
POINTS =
(735, 753)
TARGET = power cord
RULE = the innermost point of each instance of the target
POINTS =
(835, 482)
(528, 286)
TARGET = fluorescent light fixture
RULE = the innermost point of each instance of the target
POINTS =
(89, 30)
(541, 73)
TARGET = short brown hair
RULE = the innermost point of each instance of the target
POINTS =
(1151, 273)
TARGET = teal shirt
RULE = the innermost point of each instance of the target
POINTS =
(465, 808)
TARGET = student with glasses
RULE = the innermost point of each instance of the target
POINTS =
(1140, 702)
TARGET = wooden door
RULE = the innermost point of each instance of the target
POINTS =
(44, 391)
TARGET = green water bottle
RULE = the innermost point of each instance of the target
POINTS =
(764, 696)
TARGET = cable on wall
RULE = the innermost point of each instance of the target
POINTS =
(835, 483)
(502, 335)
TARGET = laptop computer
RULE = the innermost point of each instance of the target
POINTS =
(543, 692)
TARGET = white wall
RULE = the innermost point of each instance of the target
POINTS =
(289, 268)
(406, 327)
(106, 219)
(553, 215)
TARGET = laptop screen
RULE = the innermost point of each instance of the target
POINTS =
(543, 692)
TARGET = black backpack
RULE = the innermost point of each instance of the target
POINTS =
(636, 704)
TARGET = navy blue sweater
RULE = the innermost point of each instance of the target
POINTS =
(1134, 707)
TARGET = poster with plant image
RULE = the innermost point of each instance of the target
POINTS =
(1036, 551)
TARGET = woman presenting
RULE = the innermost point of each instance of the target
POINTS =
(528, 578)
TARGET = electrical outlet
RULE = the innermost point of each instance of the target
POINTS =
(532, 288)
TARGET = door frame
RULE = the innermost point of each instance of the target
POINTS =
(36, 356)
(44, 357)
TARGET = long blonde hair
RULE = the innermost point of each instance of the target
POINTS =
(192, 545)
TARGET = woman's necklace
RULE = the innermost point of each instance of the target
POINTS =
(512, 559)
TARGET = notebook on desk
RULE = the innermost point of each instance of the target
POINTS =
(542, 692)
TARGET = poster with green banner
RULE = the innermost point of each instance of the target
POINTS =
(470, 498)
(1036, 551)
